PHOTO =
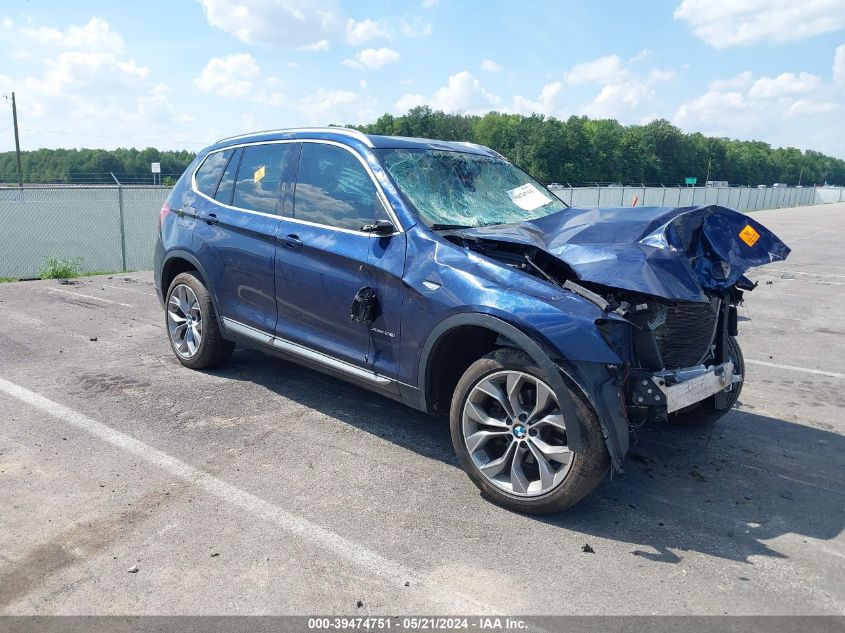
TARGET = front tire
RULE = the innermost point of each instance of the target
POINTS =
(510, 436)
(192, 324)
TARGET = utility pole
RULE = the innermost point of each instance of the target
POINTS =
(800, 174)
(17, 138)
(706, 180)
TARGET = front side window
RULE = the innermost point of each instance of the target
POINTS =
(334, 189)
(260, 176)
(208, 175)
(459, 188)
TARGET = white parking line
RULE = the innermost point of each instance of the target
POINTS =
(137, 292)
(444, 596)
(806, 370)
(79, 294)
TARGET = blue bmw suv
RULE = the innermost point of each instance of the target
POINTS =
(441, 275)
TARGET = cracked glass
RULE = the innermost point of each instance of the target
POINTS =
(459, 188)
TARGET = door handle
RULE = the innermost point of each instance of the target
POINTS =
(211, 218)
(291, 241)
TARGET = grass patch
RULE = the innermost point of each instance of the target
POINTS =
(5, 280)
(61, 268)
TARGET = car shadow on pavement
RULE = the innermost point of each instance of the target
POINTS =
(722, 491)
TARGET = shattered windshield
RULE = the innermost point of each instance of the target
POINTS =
(461, 189)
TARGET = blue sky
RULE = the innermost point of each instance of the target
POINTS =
(182, 74)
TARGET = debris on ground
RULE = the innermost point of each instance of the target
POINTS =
(215, 554)
(133, 569)
(786, 495)
(697, 475)
(587, 549)
(407, 583)
(360, 604)
(92, 338)
(641, 459)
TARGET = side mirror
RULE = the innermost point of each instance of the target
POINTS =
(379, 227)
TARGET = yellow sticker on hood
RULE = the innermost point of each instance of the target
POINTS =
(259, 174)
(749, 235)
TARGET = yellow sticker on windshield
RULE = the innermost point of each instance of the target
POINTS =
(749, 235)
(259, 174)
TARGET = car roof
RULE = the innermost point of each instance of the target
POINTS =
(350, 137)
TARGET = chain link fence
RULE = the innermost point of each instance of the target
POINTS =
(114, 228)
(107, 228)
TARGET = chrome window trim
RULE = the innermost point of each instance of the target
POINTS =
(379, 191)
(343, 131)
(307, 353)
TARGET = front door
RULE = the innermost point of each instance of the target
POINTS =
(324, 259)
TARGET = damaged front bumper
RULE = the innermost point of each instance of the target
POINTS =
(667, 392)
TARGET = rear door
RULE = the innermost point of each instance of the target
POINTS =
(234, 238)
(324, 258)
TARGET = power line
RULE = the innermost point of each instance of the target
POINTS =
(103, 136)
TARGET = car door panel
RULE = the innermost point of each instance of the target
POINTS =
(235, 235)
(324, 259)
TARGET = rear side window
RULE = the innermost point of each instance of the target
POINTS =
(208, 175)
(334, 189)
(227, 184)
(260, 176)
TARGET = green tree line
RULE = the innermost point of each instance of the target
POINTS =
(578, 150)
(92, 165)
(582, 150)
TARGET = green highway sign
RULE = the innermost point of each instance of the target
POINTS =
(690, 180)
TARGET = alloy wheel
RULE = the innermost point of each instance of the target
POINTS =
(515, 433)
(184, 321)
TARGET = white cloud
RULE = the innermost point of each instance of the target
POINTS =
(615, 99)
(372, 58)
(723, 24)
(798, 110)
(85, 79)
(415, 27)
(336, 106)
(657, 76)
(784, 84)
(96, 35)
(230, 76)
(491, 67)
(549, 102)
(462, 93)
(294, 24)
(430, 4)
(643, 55)
(624, 94)
(809, 106)
(839, 66)
(603, 70)
(360, 31)
(737, 82)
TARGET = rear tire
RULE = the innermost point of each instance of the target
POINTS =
(705, 412)
(523, 420)
(191, 324)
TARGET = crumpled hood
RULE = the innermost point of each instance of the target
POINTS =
(674, 253)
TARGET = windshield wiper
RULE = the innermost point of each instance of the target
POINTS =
(447, 227)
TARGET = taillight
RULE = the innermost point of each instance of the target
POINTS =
(162, 214)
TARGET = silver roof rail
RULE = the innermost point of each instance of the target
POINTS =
(333, 130)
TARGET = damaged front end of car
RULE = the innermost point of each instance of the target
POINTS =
(667, 282)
